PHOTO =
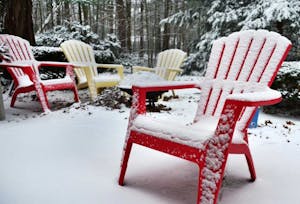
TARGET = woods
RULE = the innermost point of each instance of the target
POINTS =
(145, 28)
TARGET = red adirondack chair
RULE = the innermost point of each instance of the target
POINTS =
(240, 69)
(24, 70)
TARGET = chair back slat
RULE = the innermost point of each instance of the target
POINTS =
(245, 56)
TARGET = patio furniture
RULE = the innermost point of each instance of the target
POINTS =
(240, 70)
(24, 70)
(142, 77)
(167, 65)
(86, 69)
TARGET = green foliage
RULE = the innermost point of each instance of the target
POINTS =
(288, 83)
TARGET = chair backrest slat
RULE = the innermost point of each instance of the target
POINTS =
(245, 56)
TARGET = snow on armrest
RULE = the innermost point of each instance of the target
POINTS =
(175, 70)
(15, 64)
(261, 97)
(164, 86)
(141, 68)
(110, 66)
(53, 64)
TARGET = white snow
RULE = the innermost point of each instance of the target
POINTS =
(140, 77)
(72, 155)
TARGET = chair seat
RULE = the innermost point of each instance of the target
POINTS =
(65, 80)
(107, 78)
(24, 81)
(193, 135)
(189, 134)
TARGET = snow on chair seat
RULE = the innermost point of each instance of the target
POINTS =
(24, 70)
(65, 80)
(240, 71)
(193, 135)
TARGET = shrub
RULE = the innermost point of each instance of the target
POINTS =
(288, 83)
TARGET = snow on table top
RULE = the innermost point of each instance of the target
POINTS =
(140, 78)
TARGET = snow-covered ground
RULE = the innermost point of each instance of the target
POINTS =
(72, 155)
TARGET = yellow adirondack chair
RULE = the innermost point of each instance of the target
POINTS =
(86, 69)
(168, 64)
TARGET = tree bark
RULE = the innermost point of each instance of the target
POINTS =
(166, 34)
(121, 22)
(141, 52)
(128, 30)
(67, 13)
(18, 19)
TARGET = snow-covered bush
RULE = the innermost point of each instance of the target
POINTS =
(106, 50)
(288, 83)
(226, 16)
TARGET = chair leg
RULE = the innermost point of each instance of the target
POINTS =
(76, 97)
(209, 184)
(14, 97)
(244, 149)
(250, 163)
(124, 162)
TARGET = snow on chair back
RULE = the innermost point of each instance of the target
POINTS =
(79, 52)
(249, 55)
(19, 50)
(171, 58)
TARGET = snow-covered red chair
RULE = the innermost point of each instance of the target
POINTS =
(24, 70)
(82, 56)
(240, 69)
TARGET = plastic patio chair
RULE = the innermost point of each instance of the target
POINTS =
(240, 69)
(24, 70)
(167, 65)
(82, 56)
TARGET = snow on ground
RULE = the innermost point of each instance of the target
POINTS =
(72, 155)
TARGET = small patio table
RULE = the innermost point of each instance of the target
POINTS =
(142, 77)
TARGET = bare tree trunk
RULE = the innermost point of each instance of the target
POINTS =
(18, 19)
(141, 53)
(166, 34)
(121, 22)
(85, 9)
(128, 19)
(58, 13)
(79, 13)
(148, 34)
(157, 35)
(111, 17)
(67, 13)
(41, 14)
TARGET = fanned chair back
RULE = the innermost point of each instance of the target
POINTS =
(172, 58)
(19, 50)
(246, 56)
(79, 52)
